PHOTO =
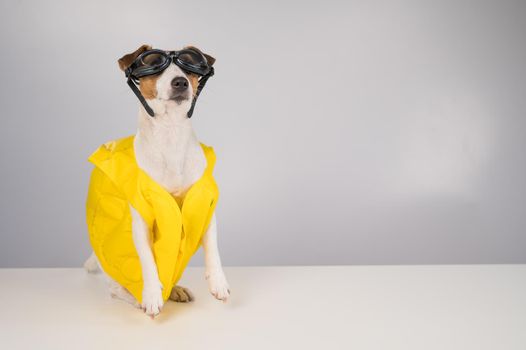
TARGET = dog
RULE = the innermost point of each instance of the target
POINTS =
(167, 149)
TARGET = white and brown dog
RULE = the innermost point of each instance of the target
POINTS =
(167, 149)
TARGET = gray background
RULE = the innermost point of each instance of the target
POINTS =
(356, 132)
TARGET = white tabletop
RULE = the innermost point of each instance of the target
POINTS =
(344, 307)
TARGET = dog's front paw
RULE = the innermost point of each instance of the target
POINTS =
(217, 284)
(152, 299)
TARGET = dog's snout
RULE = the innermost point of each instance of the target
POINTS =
(180, 84)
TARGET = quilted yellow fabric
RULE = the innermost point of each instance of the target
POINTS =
(117, 182)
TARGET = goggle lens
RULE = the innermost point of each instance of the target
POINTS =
(193, 61)
(154, 59)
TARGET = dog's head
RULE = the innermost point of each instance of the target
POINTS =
(171, 89)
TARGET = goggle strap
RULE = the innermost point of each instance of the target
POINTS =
(191, 111)
(140, 97)
(200, 87)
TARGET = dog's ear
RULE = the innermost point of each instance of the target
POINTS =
(209, 58)
(126, 60)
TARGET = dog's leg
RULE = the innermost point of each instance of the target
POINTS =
(217, 283)
(119, 292)
(92, 264)
(152, 300)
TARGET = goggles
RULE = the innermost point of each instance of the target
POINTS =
(155, 61)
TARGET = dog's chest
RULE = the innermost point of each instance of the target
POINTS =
(175, 165)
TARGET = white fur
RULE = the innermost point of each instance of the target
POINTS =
(167, 149)
(92, 264)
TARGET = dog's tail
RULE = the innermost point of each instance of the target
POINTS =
(92, 264)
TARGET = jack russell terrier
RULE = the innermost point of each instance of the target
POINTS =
(168, 151)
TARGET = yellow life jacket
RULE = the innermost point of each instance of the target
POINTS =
(117, 181)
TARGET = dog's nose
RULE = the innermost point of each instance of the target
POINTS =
(180, 84)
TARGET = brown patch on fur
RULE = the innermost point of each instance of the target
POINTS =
(194, 80)
(147, 85)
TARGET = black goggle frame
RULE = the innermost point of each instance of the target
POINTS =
(141, 68)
